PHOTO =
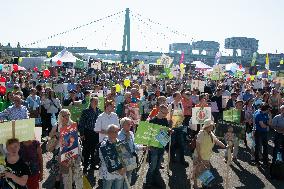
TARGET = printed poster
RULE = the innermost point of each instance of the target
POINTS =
(125, 156)
(163, 138)
(111, 157)
(199, 114)
(69, 142)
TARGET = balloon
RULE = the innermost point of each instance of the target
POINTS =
(126, 82)
(252, 77)
(2, 79)
(20, 60)
(15, 67)
(182, 66)
(36, 69)
(48, 54)
(59, 62)
(46, 73)
(2, 90)
(158, 61)
(171, 76)
(117, 88)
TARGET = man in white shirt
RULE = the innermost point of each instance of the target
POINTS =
(105, 119)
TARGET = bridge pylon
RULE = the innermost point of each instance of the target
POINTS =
(126, 39)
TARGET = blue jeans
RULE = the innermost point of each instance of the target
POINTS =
(278, 141)
(128, 176)
(261, 140)
(156, 156)
(113, 184)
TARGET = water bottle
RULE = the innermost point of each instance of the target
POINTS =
(279, 157)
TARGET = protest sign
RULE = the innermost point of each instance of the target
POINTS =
(96, 65)
(69, 142)
(25, 129)
(225, 100)
(146, 134)
(76, 110)
(125, 156)
(200, 114)
(22, 129)
(163, 138)
(259, 84)
(155, 69)
(5, 131)
(232, 115)
(198, 84)
(111, 157)
(101, 104)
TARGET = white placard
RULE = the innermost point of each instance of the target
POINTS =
(198, 84)
(96, 65)
(258, 84)
(199, 115)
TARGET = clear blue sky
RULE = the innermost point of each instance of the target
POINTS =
(31, 20)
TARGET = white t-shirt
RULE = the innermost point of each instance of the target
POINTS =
(103, 121)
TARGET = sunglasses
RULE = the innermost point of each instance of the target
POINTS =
(66, 115)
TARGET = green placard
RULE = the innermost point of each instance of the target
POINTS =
(25, 129)
(101, 104)
(146, 134)
(76, 111)
(232, 115)
(79, 64)
(5, 132)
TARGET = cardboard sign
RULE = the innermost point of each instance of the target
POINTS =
(25, 129)
(69, 145)
(5, 131)
(259, 84)
(146, 134)
(111, 157)
(96, 65)
(156, 69)
(199, 114)
(232, 115)
(22, 129)
(198, 84)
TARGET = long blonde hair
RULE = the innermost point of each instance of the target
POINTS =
(60, 115)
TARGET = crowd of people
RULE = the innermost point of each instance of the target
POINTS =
(158, 100)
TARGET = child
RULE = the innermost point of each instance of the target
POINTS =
(230, 138)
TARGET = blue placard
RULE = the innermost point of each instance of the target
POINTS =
(206, 177)
(163, 138)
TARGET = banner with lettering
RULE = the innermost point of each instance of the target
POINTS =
(146, 134)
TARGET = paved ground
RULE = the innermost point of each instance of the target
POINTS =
(241, 174)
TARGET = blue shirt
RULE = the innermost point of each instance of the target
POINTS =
(247, 96)
(260, 116)
(14, 113)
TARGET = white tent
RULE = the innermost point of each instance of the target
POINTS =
(201, 65)
(63, 56)
(233, 67)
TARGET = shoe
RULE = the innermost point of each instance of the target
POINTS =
(162, 167)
